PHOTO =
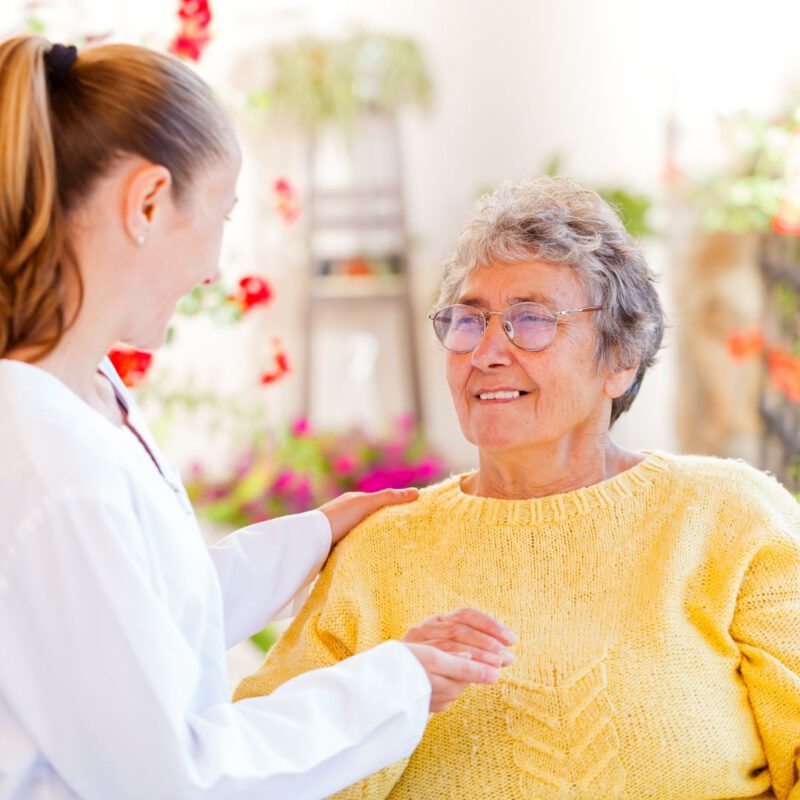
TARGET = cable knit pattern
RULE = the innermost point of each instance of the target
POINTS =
(566, 742)
(658, 616)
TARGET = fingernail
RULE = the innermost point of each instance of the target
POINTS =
(510, 636)
(507, 656)
(490, 675)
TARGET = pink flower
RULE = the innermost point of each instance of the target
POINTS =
(344, 465)
(301, 426)
(283, 481)
(286, 201)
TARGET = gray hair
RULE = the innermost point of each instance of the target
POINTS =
(558, 221)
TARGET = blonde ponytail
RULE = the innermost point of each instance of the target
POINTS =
(33, 256)
(57, 139)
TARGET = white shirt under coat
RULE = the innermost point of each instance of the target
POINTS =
(114, 622)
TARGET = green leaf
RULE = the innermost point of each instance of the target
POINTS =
(266, 638)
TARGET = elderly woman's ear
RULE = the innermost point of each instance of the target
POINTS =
(619, 381)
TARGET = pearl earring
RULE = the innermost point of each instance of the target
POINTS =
(141, 239)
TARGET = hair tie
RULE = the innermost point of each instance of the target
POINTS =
(58, 60)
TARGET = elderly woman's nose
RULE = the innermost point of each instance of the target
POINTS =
(494, 346)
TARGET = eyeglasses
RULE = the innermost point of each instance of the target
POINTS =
(529, 326)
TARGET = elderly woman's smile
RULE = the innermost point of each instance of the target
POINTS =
(511, 399)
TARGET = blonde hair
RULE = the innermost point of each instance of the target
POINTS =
(58, 137)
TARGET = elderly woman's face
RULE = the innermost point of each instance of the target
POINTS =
(562, 393)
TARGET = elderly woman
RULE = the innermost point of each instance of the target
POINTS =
(656, 597)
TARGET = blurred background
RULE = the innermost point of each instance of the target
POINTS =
(370, 129)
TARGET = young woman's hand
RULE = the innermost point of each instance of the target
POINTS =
(469, 632)
(347, 510)
(450, 674)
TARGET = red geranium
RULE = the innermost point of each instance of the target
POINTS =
(193, 36)
(131, 365)
(784, 372)
(280, 367)
(787, 220)
(197, 10)
(253, 291)
(743, 344)
(190, 47)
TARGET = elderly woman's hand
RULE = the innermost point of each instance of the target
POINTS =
(450, 674)
(347, 510)
(469, 632)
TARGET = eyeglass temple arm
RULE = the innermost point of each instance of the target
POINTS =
(577, 310)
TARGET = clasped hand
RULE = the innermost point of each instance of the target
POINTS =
(455, 649)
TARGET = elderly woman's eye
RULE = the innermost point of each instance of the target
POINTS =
(467, 322)
(532, 318)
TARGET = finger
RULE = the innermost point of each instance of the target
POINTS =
(463, 671)
(460, 633)
(392, 497)
(501, 659)
(475, 638)
(483, 622)
(444, 692)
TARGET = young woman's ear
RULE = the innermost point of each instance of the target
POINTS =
(147, 191)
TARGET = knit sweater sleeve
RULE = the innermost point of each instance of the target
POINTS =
(340, 619)
(766, 626)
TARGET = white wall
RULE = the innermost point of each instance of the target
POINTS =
(515, 81)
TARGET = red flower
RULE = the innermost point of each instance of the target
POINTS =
(743, 344)
(196, 10)
(193, 36)
(281, 366)
(253, 291)
(784, 372)
(131, 365)
(787, 220)
(190, 47)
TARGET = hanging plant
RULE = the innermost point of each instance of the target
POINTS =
(317, 80)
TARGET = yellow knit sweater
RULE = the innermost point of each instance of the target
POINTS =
(658, 616)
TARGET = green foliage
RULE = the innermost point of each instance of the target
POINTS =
(633, 209)
(212, 300)
(266, 638)
(320, 81)
(745, 196)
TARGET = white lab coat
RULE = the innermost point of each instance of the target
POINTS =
(114, 623)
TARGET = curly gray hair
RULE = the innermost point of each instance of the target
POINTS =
(558, 221)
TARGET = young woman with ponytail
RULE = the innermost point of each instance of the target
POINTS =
(117, 169)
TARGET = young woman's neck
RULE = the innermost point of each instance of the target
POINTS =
(75, 360)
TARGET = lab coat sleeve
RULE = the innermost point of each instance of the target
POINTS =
(265, 569)
(98, 671)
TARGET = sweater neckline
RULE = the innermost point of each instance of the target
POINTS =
(555, 507)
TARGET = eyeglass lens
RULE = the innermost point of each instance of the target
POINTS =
(528, 325)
